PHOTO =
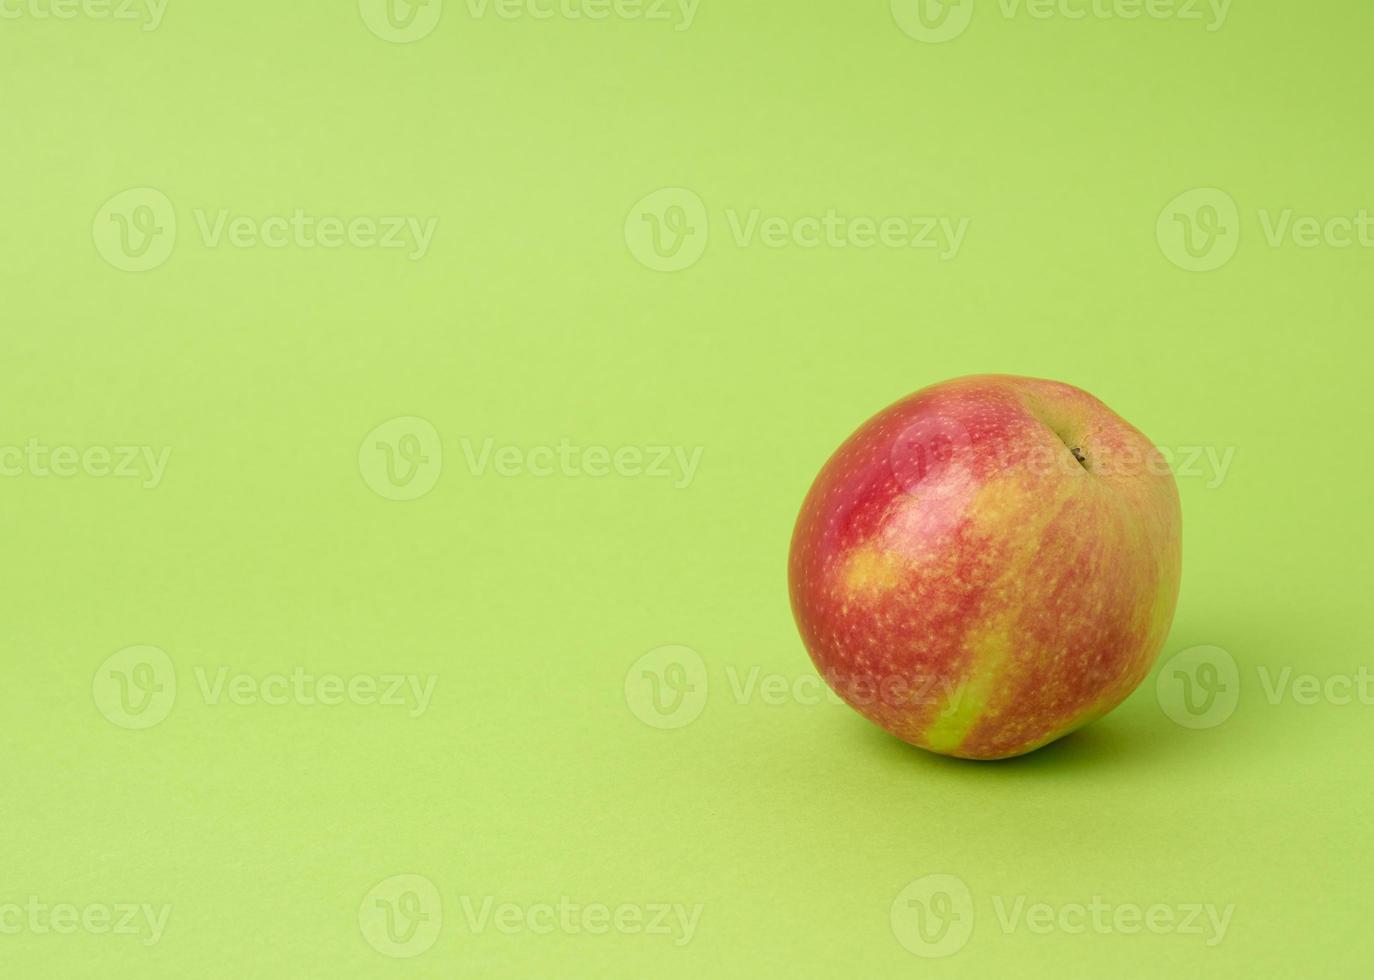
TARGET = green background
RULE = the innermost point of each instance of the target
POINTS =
(530, 776)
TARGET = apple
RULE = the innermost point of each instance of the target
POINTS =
(988, 564)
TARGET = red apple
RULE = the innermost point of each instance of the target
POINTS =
(988, 565)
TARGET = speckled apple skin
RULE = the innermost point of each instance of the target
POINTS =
(988, 564)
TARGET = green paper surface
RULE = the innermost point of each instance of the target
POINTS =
(405, 414)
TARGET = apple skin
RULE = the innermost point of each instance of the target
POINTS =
(963, 580)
